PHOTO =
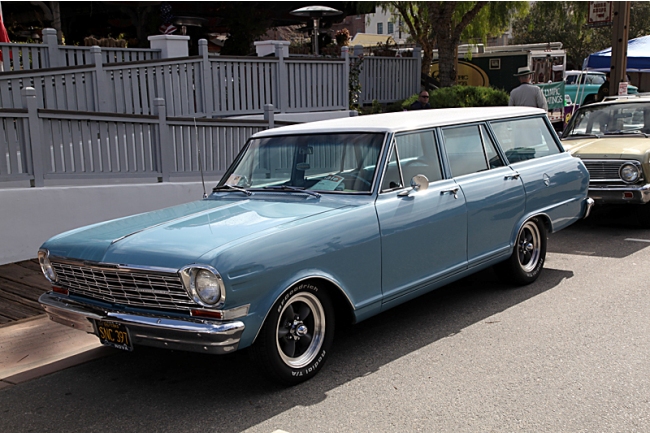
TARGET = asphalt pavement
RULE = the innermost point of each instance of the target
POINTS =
(567, 353)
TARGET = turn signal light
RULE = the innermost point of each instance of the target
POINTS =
(207, 313)
(60, 290)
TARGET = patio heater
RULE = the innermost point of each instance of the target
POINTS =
(316, 13)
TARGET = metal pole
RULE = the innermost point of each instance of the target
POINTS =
(315, 43)
(620, 32)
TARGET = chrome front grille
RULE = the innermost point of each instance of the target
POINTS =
(606, 170)
(130, 287)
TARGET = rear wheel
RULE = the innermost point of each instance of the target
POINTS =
(528, 256)
(294, 342)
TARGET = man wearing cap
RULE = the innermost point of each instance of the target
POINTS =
(527, 94)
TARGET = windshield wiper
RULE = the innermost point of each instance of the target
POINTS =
(292, 188)
(627, 132)
(226, 187)
(578, 134)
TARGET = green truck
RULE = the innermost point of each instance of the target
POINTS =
(581, 87)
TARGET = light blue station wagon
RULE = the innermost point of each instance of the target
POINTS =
(318, 223)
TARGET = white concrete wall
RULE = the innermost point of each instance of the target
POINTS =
(30, 216)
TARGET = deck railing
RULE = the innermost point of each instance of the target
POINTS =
(39, 145)
(49, 54)
(205, 85)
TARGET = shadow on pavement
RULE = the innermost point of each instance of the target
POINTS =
(174, 391)
(610, 232)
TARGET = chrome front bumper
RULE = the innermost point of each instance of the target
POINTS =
(620, 195)
(194, 335)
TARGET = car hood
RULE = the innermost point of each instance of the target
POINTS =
(177, 236)
(615, 147)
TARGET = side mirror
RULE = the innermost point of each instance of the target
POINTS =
(419, 182)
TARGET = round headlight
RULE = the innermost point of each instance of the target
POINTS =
(46, 266)
(629, 173)
(208, 287)
(204, 285)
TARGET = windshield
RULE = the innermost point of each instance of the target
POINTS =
(604, 119)
(343, 162)
(585, 79)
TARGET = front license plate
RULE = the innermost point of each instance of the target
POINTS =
(114, 334)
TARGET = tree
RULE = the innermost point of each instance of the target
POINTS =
(445, 24)
(565, 21)
(415, 16)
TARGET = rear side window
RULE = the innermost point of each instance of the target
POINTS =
(524, 139)
(470, 150)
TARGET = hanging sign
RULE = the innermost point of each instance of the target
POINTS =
(600, 14)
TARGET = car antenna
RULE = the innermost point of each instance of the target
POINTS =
(196, 133)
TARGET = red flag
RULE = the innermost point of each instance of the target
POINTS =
(4, 37)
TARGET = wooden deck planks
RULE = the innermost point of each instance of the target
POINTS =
(20, 286)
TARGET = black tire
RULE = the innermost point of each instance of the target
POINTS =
(296, 337)
(528, 256)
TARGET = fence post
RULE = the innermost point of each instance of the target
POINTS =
(269, 115)
(35, 141)
(345, 90)
(53, 53)
(283, 80)
(101, 85)
(164, 143)
(206, 82)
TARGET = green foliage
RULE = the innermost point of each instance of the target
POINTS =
(463, 96)
(354, 83)
(377, 107)
(443, 25)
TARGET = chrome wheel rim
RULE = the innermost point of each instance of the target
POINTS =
(301, 330)
(528, 246)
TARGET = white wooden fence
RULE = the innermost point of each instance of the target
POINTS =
(49, 54)
(202, 85)
(152, 118)
(37, 145)
(212, 86)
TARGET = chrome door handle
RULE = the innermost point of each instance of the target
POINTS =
(453, 191)
(512, 177)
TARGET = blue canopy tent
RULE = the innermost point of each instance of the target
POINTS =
(638, 57)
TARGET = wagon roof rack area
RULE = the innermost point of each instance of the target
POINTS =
(635, 96)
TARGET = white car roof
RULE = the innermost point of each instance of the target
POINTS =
(567, 73)
(404, 121)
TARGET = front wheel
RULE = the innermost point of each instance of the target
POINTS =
(528, 256)
(295, 340)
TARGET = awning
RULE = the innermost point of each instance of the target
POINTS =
(638, 57)
(371, 40)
